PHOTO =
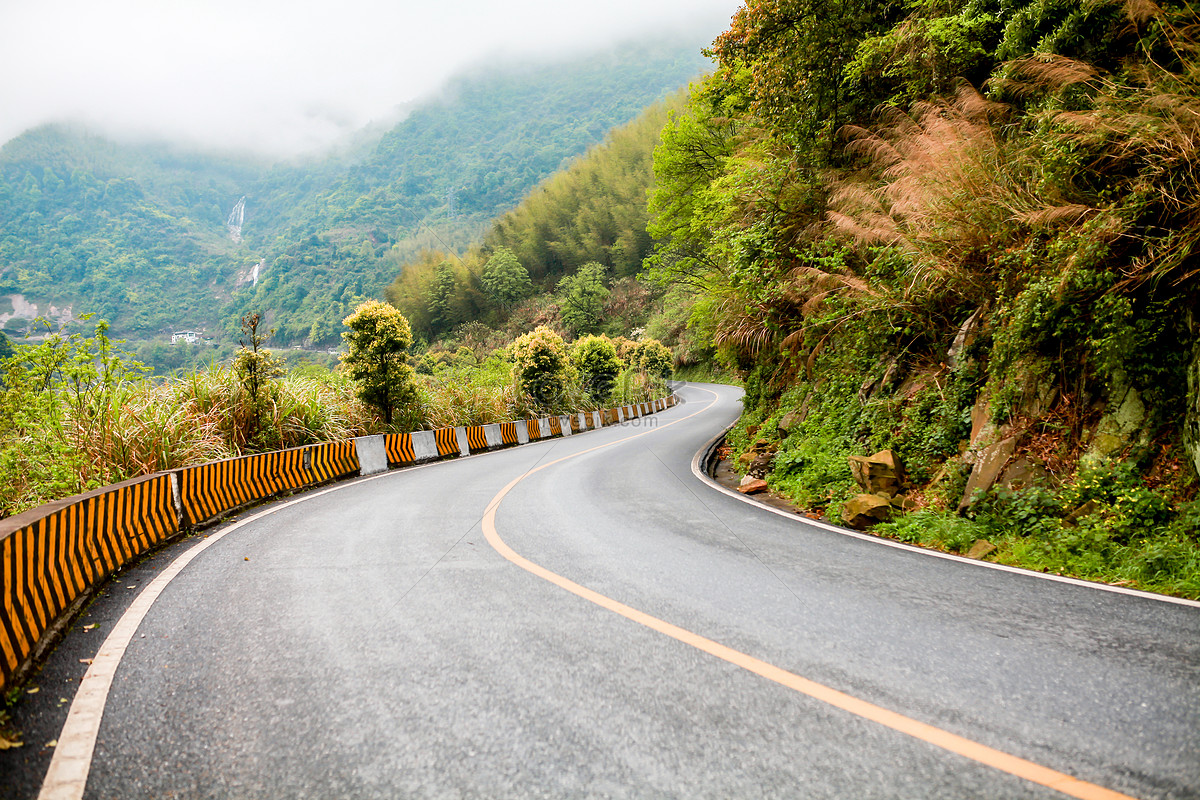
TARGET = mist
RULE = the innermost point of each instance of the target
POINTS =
(285, 78)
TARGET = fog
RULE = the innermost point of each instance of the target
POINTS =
(283, 78)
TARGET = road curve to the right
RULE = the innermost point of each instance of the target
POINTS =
(1101, 686)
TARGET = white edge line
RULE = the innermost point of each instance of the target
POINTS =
(699, 472)
(66, 777)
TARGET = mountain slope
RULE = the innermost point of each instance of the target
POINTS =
(137, 234)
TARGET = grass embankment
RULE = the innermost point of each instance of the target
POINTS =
(1098, 518)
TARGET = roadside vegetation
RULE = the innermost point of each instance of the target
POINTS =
(78, 412)
(956, 243)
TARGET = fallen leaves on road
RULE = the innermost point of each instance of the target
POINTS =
(52, 743)
(89, 627)
(85, 661)
(7, 743)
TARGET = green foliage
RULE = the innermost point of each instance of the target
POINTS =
(652, 357)
(1105, 524)
(541, 366)
(504, 279)
(596, 363)
(256, 369)
(583, 295)
(593, 210)
(378, 339)
(924, 56)
(63, 405)
(138, 234)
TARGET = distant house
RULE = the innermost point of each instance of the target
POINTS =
(191, 337)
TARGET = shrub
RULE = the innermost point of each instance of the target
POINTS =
(653, 357)
(541, 366)
(595, 359)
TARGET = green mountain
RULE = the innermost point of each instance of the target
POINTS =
(155, 238)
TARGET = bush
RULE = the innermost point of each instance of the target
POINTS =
(595, 359)
(653, 357)
(541, 366)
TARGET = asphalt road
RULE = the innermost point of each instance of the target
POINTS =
(371, 642)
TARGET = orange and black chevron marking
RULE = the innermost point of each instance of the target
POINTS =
(555, 426)
(476, 439)
(576, 426)
(447, 442)
(49, 559)
(209, 490)
(535, 429)
(508, 433)
(333, 460)
(399, 448)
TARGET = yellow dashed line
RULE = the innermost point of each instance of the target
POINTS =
(1013, 765)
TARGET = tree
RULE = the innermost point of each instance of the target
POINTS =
(378, 341)
(541, 365)
(595, 358)
(256, 368)
(442, 295)
(505, 280)
(583, 298)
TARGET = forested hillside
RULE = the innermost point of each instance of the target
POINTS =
(139, 234)
(592, 213)
(952, 249)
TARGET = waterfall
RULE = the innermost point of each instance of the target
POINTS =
(236, 218)
(254, 272)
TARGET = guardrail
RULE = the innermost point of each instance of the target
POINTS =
(53, 555)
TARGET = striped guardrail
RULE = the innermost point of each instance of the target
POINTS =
(51, 556)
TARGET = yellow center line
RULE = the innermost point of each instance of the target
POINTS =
(1005, 762)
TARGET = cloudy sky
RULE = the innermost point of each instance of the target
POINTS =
(284, 76)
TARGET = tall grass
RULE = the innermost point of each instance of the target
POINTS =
(55, 442)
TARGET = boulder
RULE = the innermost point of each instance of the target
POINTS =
(761, 465)
(792, 419)
(980, 549)
(1022, 473)
(1191, 411)
(881, 473)
(988, 466)
(1123, 423)
(963, 339)
(751, 485)
(864, 510)
(756, 451)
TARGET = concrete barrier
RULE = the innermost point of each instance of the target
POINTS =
(399, 449)
(425, 446)
(447, 442)
(52, 556)
(476, 439)
(371, 452)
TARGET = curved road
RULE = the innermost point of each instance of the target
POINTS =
(387, 638)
